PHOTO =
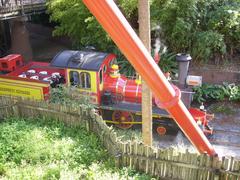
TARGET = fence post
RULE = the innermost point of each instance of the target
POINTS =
(15, 108)
(118, 158)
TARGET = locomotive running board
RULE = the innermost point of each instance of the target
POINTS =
(135, 108)
(116, 25)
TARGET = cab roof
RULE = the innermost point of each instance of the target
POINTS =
(86, 60)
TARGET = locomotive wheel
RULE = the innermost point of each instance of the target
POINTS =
(121, 117)
(161, 130)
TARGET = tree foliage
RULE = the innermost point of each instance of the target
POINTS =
(77, 22)
(204, 28)
(225, 91)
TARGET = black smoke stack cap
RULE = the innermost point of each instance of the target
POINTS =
(183, 66)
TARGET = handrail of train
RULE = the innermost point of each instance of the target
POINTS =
(116, 25)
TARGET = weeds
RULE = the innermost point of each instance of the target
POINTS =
(69, 96)
(46, 149)
(131, 134)
(222, 92)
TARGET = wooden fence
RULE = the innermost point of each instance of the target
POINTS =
(161, 163)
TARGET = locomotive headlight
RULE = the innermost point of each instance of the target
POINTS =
(194, 80)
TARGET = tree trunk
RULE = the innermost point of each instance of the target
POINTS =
(145, 35)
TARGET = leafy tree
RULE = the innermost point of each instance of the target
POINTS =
(204, 28)
(129, 7)
(77, 22)
(225, 19)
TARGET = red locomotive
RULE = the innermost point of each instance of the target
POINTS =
(96, 74)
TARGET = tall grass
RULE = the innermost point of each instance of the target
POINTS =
(47, 149)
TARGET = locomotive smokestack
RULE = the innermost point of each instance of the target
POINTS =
(183, 65)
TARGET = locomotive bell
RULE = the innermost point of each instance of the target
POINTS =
(183, 65)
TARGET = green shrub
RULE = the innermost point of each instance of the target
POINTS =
(225, 19)
(208, 44)
(69, 96)
(201, 28)
(167, 63)
(217, 92)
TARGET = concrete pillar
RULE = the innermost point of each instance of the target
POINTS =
(20, 39)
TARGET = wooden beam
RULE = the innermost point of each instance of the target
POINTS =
(145, 36)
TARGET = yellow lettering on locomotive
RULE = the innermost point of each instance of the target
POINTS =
(20, 90)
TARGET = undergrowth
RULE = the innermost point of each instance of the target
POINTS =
(69, 96)
(208, 92)
(129, 134)
(46, 149)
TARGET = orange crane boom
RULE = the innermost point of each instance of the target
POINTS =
(116, 25)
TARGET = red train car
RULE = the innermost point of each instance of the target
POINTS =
(96, 74)
(10, 62)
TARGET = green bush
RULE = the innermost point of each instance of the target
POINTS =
(208, 44)
(225, 19)
(167, 63)
(205, 29)
(208, 92)
(69, 96)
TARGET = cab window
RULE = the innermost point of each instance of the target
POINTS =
(74, 78)
(101, 76)
(104, 68)
(85, 80)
